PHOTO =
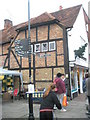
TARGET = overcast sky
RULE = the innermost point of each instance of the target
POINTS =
(17, 10)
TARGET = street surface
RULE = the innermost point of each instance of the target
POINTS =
(19, 109)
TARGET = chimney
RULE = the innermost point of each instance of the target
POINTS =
(60, 7)
(7, 23)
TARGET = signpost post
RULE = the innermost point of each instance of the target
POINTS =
(23, 49)
(31, 117)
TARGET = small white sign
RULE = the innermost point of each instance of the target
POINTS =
(66, 75)
(30, 88)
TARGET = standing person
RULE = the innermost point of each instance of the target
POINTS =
(88, 91)
(47, 104)
(61, 90)
(84, 82)
(66, 82)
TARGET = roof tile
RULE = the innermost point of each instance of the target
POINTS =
(67, 16)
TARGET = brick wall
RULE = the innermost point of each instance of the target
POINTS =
(55, 32)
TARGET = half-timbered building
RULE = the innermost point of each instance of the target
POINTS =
(49, 47)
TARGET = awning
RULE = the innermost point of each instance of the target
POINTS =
(10, 72)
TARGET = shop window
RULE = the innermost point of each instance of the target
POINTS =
(73, 79)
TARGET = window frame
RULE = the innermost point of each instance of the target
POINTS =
(31, 48)
(43, 46)
(35, 48)
(54, 46)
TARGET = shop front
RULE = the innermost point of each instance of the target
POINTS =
(9, 81)
(77, 74)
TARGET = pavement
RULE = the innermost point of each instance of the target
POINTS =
(20, 109)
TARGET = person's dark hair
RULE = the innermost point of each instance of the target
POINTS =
(86, 75)
(59, 74)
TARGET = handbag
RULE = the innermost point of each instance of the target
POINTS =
(64, 103)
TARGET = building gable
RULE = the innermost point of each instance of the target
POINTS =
(78, 38)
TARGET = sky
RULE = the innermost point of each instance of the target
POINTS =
(17, 10)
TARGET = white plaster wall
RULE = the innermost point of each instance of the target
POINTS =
(75, 41)
(81, 81)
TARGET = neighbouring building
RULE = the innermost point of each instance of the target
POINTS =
(89, 45)
(89, 33)
(59, 43)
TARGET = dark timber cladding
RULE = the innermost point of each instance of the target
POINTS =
(66, 58)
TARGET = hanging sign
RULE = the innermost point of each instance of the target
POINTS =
(21, 48)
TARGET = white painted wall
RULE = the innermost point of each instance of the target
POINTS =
(81, 81)
(75, 41)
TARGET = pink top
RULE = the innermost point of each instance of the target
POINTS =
(60, 86)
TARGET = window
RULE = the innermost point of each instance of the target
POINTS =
(31, 48)
(37, 47)
(87, 27)
(51, 46)
(44, 47)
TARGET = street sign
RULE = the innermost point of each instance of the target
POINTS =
(21, 48)
(30, 88)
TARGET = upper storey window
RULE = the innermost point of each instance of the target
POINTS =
(51, 46)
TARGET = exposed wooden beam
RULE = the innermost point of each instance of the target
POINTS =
(16, 59)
